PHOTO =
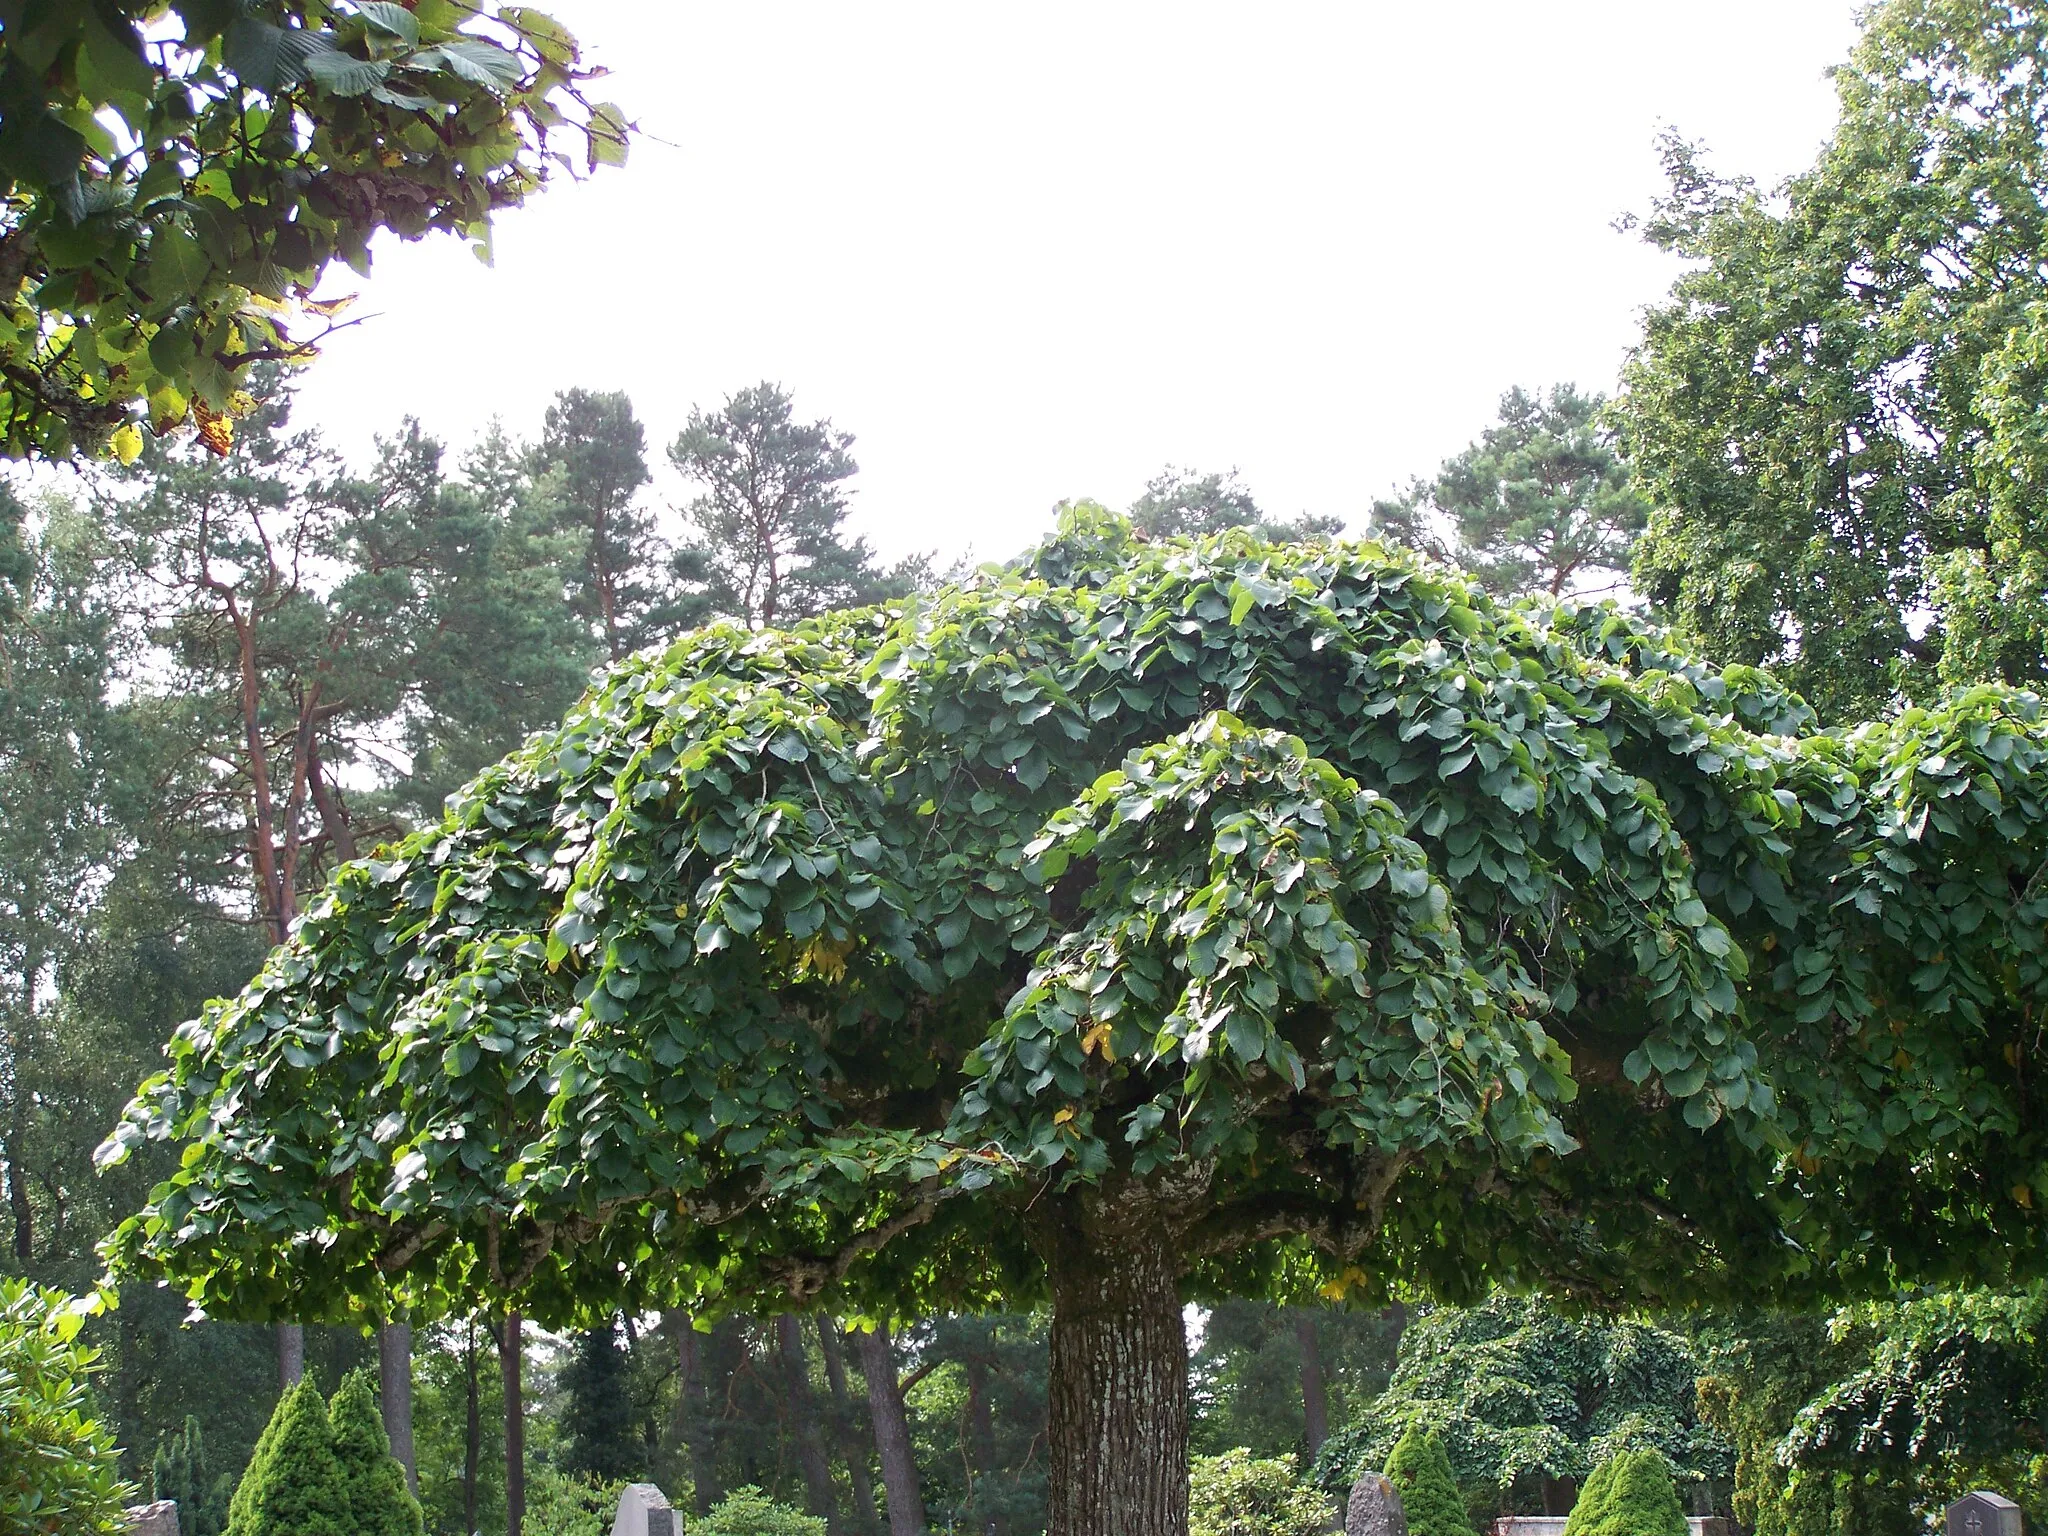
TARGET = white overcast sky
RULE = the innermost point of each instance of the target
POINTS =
(1033, 251)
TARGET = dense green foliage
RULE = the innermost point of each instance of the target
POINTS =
(1247, 1375)
(1885, 1413)
(598, 1431)
(559, 1505)
(1769, 954)
(1835, 412)
(1540, 503)
(1523, 1395)
(179, 173)
(294, 1484)
(59, 1474)
(1239, 1494)
(1420, 1471)
(1180, 504)
(372, 1483)
(750, 1512)
(1631, 1495)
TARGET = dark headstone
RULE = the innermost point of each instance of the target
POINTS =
(1374, 1508)
(1983, 1514)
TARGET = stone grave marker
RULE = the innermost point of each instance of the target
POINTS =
(1374, 1508)
(644, 1511)
(158, 1519)
(1983, 1514)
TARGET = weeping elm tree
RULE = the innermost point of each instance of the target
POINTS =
(1153, 920)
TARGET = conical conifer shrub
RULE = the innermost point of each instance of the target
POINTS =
(293, 1486)
(1421, 1470)
(1630, 1495)
(372, 1480)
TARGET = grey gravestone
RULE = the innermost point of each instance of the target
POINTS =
(1374, 1508)
(643, 1511)
(1983, 1514)
(158, 1519)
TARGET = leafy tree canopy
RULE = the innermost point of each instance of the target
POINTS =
(1520, 1392)
(1239, 1494)
(1146, 910)
(1541, 503)
(1835, 412)
(179, 173)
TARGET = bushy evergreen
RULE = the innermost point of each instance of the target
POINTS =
(373, 1483)
(1631, 1495)
(179, 1472)
(600, 1438)
(294, 1483)
(1239, 1494)
(1421, 1470)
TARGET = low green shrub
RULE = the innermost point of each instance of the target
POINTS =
(1421, 1470)
(562, 1504)
(1239, 1494)
(1631, 1495)
(59, 1469)
(750, 1512)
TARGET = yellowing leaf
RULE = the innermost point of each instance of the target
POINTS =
(127, 442)
(1098, 1039)
(1063, 1116)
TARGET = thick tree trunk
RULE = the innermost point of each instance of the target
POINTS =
(810, 1445)
(1315, 1404)
(291, 1355)
(851, 1444)
(892, 1433)
(1117, 1400)
(511, 1351)
(394, 1383)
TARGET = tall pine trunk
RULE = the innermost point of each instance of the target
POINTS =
(892, 1433)
(291, 1355)
(810, 1445)
(511, 1352)
(1315, 1403)
(394, 1383)
(1117, 1396)
(851, 1444)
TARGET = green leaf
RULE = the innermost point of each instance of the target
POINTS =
(344, 74)
(269, 58)
(392, 19)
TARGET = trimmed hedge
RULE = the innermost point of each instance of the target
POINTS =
(1631, 1495)
(1421, 1470)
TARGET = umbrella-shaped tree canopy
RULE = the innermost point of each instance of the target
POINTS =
(1146, 918)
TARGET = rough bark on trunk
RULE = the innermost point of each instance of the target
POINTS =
(810, 1445)
(291, 1355)
(1315, 1403)
(892, 1433)
(851, 1444)
(511, 1351)
(1117, 1399)
(394, 1383)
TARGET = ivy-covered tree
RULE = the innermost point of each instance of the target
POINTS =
(1134, 925)
(1542, 502)
(179, 173)
(1528, 1401)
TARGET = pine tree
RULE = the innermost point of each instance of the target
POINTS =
(178, 1472)
(1631, 1495)
(373, 1483)
(600, 1436)
(294, 1484)
(1421, 1470)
